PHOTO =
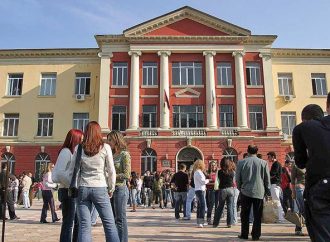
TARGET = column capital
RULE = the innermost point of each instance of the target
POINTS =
(208, 52)
(105, 55)
(266, 56)
(239, 53)
(164, 52)
(134, 52)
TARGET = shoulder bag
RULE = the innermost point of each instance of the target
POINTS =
(73, 189)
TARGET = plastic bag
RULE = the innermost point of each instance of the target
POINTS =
(270, 212)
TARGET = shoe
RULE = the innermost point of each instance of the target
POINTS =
(205, 224)
(186, 218)
(242, 237)
(133, 210)
(215, 226)
(200, 226)
(44, 221)
(228, 226)
(255, 239)
(15, 218)
(58, 219)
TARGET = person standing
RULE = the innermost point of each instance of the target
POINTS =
(122, 161)
(148, 180)
(211, 193)
(200, 190)
(287, 203)
(167, 190)
(253, 181)
(275, 180)
(94, 186)
(311, 142)
(190, 195)
(61, 175)
(47, 195)
(180, 183)
(157, 191)
(226, 191)
(26, 182)
(133, 187)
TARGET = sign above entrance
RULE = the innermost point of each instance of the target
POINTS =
(166, 163)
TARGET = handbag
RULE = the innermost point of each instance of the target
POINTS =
(73, 188)
(269, 212)
(293, 216)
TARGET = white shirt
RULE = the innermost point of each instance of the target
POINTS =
(200, 181)
(139, 184)
(61, 173)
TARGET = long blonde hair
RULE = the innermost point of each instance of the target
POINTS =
(48, 168)
(199, 164)
(118, 138)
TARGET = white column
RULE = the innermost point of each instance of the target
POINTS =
(211, 104)
(269, 91)
(104, 89)
(240, 90)
(134, 102)
(164, 87)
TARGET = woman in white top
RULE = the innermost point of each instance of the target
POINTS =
(96, 182)
(62, 174)
(200, 189)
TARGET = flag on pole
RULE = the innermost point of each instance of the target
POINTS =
(167, 101)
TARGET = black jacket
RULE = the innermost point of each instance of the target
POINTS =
(311, 142)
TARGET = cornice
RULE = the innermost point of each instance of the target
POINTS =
(300, 53)
(110, 39)
(49, 53)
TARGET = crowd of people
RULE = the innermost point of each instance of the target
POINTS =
(94, 179)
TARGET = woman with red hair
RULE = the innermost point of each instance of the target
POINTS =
(95, 187)
(61, 174)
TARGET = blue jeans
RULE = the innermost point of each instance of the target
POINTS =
(180, 198)
(94, 215)
(69, 229)
(138, 197)
(225, 195)
(167, 197)
(200, 195)
(190, 198)
(133, 199)
(100, 198)
(120, 197)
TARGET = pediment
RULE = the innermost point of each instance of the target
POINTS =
(186, 21)
(187, 92)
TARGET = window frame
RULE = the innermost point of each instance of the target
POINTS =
(154, 74)
(115, 74)
(78, 124)
(225, 116)
(288, 115)
(148, 155)
(52, 86)
(180, 114)
(8, 121)
(285, 79)
(19, 84)
(321, 81)
(50, 125)
(228, 71)
(150, 114)
(83, 76)
(119, 117)
(255, 128)
(186, 67)
(253, 66)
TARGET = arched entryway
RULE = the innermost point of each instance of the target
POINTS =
(41, 162)
(148, 160)
(9, 156)
(187, 156)
(230, 153)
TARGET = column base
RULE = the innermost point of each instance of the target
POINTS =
(105, 130)
(272, 129)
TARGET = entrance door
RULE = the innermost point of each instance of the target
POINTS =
(187, 157)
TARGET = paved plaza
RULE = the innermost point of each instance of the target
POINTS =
(144, 225)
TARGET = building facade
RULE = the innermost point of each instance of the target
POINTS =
(181, 86)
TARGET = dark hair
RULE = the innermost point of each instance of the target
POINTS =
(312, 111)
(157, 176)
(182, 166)
(92, 139)
(271, 154)
(259, 156)
(227, 165)
(245, 155)
(252, 149)
(73, 138)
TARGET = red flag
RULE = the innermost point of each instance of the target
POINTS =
(167, 101)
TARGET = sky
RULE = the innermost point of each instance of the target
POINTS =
(35, 24)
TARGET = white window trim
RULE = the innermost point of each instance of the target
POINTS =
(122, 75)
(187, 114)
(16, 122)
(8, 84)
(287, 115)
(47, 79)
(320, 81)
(255, 116)
(84, 120)
(287, 80)
(119, 116)
(227, 69)
(83, 78)
(150, 113)
(146, 68)
(254, 68)
(193, 67)
(48, 130)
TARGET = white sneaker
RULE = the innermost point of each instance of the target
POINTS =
(186, 218)
(205, 224)
(200, 226)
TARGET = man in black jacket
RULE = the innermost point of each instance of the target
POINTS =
(311, 141)
(275, 180)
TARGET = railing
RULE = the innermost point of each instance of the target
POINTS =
(148, 132)
(189, 132)
(229, 131)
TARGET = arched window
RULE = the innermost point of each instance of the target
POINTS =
(42, 160)
(230, 153)
(148, 160)
(9, 156)
(290, 156)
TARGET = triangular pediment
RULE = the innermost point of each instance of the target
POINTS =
(186, 21)
(187, 92)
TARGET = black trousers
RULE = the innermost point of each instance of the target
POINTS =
(9, 202)
(257, 205)
(287, 199)
(48, 200)
(317, 211)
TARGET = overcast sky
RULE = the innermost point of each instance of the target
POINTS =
(73, 23)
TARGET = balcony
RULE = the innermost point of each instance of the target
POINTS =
(189, 132)
(148, 132)
(229, 131)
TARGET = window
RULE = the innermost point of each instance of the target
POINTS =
(226, 116)
(148, 161)
(119, 118)
(42, 160)
(48, 85)
(149, 119)
(45, 124)
(288, 122)
(319, 84)
(186, 73)
(256, 117)
(10, 124)
(15, 82)
(119, 75)
(253, 74)
(188, 116)
(224, 74)
(80, 120)
(150, 74)
(11, 158)
(83, 82)
(231, 154)
(285, 84)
